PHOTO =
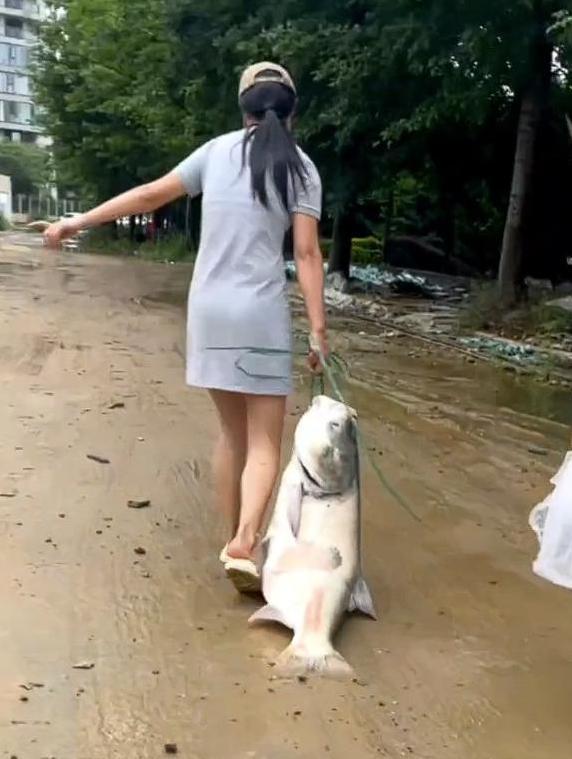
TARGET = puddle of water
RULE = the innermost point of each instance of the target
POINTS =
(477, 385)
(11, 267)
(528, 396)
(172, 297)
(490, 386)
(442, 376)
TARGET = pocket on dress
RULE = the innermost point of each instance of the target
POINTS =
(265, 364)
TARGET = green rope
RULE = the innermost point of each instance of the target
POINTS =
(333, 367)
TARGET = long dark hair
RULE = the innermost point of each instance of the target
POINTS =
(272, 146)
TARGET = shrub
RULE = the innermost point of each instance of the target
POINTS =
(366, 250)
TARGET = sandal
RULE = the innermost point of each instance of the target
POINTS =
(243, 573)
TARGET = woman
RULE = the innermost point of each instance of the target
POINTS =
(255, 183)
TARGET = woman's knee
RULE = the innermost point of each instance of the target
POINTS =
(265, 422)
(231, 410)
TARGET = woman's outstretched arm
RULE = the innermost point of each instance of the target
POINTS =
(142, 199)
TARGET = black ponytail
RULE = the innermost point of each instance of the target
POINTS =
(272, 147)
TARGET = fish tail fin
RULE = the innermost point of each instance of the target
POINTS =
(297, 660)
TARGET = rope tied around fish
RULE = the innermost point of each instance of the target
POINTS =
(333, 367)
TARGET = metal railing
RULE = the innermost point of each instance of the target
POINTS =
(43, 206)
(13, 32)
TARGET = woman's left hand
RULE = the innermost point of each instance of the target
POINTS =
(319, 351)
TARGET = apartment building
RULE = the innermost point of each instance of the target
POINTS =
(19, 20)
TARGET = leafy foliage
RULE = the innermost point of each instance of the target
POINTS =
(409, 108)
(26, 164)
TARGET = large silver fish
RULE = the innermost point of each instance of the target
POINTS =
(311, 574)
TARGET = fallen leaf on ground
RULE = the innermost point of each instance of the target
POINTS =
(138, 504)
(98, 459)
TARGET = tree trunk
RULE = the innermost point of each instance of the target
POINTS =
(196, 215)
(341, 252)
(188, 241)
(511, 254)
(388, 225)
(158, 217)
(449, 227)
(132, 227)
(288, 245)
(533, 102)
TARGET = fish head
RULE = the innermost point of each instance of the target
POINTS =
(326, 443)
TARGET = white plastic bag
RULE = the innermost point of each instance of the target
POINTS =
(552, 522)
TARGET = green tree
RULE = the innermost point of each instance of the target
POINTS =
(411, 109)
(103, 75)
(26, 164)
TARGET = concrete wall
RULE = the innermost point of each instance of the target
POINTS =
(6, 197)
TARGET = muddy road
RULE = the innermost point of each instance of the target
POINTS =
(472, 656)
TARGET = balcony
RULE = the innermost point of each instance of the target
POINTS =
(14, 126)
(12, 9)
(13, 32)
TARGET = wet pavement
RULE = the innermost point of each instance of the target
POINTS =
(471, 657)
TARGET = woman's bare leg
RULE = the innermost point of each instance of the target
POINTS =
(264, 424)
(229, 454)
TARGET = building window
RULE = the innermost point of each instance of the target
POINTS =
(11, 111)
(17, 113)
(13, 55)
(14, 28)
(17, 5)
(15, 84)
(17, 56)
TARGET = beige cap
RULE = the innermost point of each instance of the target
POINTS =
(264, 72)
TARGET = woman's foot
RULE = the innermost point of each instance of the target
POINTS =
(240, 565)
(241, 547)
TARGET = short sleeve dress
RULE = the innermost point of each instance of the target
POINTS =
(239, 335)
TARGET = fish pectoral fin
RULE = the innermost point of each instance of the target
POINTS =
(295, 508)
(361, 599)
(268, 613)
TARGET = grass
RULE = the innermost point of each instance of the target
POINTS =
(169, 248)
(483, 310)
(535, 317)
(172, 248)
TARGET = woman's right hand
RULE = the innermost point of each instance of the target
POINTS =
(62, 230)
(319, 351)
